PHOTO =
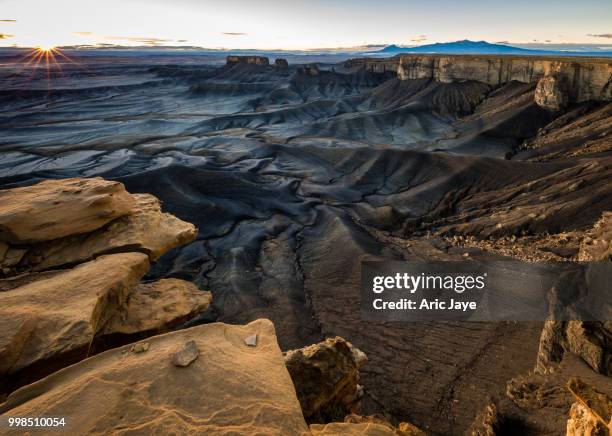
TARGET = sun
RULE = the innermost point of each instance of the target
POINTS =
(45, 48)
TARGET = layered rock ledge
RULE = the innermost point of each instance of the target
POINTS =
(560, 81)
(73, 253)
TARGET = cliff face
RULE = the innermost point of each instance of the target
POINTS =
(374, 65)
(559, 81)
(254, 60)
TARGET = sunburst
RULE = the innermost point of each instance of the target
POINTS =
(45, 48)
(47, 58)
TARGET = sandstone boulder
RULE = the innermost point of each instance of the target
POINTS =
(56, 208)
(56, 319)
(326, 379)
(156, 307)
(230, 389)
(146, 229)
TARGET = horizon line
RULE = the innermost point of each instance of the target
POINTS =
(358, 48)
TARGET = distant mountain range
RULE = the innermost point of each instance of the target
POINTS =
(330, 54)
(482, 47)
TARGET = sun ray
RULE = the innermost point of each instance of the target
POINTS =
(44, 65)
(58, 66)
(81, 67)
(43, 61)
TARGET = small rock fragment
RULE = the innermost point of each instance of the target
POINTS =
(251, 341)
(139, 347)
(187, 355)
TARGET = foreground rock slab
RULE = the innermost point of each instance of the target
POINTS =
(56, 208)
(230, 389)
(56, 319)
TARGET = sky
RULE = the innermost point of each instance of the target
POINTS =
(289, 24)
